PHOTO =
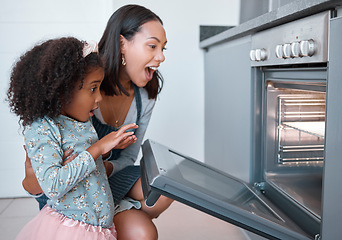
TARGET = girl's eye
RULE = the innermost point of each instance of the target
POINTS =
(153, 46)
(93, 89)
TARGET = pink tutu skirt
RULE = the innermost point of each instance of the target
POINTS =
(49, 224)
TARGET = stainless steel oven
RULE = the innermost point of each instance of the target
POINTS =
(297, 137)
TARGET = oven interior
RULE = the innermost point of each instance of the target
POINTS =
(294, 129)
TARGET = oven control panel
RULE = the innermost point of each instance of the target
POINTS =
(301, 41)
(304, 48)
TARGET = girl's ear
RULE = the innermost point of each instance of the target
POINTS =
(123, 44)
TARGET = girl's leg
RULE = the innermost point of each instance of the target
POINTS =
(161, 205)
(135, 224)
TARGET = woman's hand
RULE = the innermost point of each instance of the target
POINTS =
(30, 182)
(109, 168)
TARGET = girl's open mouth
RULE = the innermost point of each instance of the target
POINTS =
(91, 113)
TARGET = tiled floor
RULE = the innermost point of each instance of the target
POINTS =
(177, 223)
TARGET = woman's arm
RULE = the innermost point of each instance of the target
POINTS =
(30, 182)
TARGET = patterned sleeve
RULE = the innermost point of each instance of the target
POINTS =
(43, 143)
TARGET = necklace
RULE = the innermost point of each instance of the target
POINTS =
(114, 108)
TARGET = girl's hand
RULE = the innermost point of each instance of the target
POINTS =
(30, 182)
(126, 142)
(119, 138)
(112, 140)
(67, 155)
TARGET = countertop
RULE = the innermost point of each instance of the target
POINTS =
(292, 11)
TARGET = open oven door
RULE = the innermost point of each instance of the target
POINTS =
(166, 172)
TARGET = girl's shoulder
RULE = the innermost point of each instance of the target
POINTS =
(43, 126)
(44, 121)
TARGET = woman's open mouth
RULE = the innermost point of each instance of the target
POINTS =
(149, 72)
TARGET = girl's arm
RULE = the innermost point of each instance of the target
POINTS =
(30, 182)
(43, 141)
(44, 147)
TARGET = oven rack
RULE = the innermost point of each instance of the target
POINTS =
(316, 128)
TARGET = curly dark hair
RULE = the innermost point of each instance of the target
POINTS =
(44, 78)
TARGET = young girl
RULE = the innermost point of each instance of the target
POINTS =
(54, 89)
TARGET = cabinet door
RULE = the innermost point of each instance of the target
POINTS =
(229, 102)
(167, 172)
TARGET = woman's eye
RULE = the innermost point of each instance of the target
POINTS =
(93, 89)
(153, 46)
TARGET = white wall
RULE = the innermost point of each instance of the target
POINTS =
(178, 118)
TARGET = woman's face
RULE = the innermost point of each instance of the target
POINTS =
(143, 53)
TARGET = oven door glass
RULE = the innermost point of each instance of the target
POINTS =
(166, 172)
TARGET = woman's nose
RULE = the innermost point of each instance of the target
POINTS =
(160, 56)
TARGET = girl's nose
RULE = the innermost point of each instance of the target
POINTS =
(98, 97)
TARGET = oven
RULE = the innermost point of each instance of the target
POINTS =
(296, 164)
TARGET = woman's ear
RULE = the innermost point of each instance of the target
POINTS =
(123, 44)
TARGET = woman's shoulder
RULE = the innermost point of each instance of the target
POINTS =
(144, 98)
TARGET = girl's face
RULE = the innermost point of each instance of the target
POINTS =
(85, 100)
(143, 53)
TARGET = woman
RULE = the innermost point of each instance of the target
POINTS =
(132, 46)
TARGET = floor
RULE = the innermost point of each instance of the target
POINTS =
(178, 222)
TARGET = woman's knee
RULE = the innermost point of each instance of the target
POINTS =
(135, 224)
(160, 206)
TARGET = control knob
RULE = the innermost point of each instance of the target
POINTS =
(287, 50)
(279, 51)
(252, 55)
(307, 48)
(260, 54)
(295, 49)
